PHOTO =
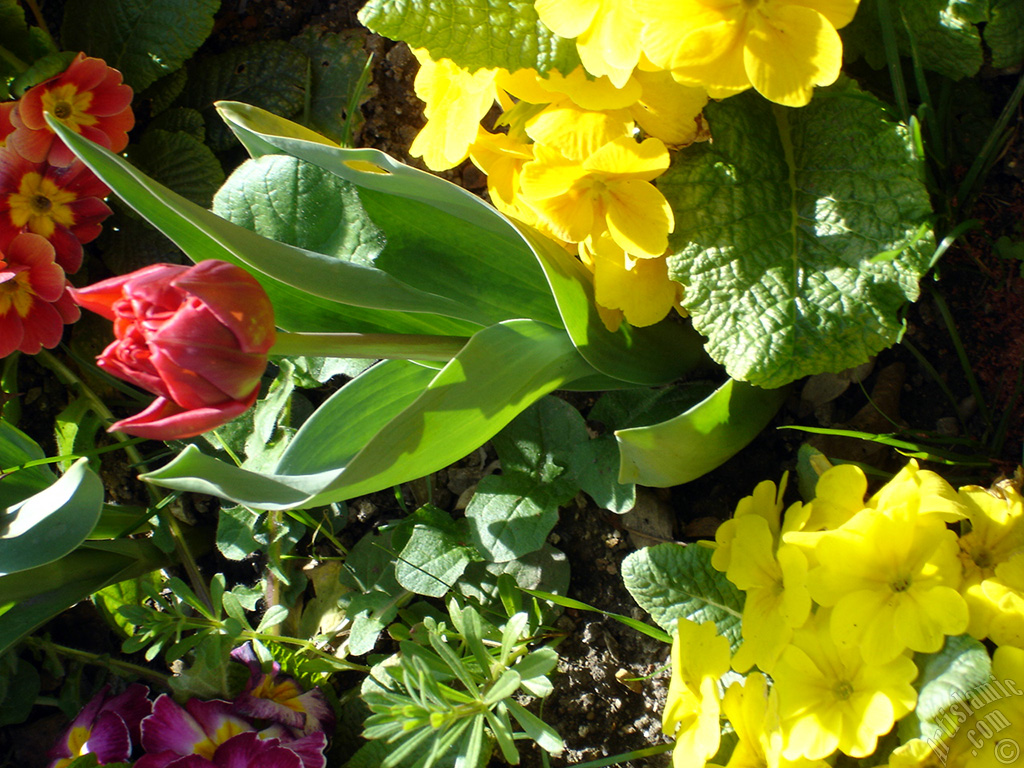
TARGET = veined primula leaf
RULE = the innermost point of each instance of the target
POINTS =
(143, 39)
(485, 33)
(396, 422)
(779, 221)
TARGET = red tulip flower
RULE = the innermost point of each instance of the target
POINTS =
(197, 337)
(63, 205)
(34, 301)
(88, 97)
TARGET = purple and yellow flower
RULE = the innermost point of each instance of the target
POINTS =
(108, 727)
(279, 699)
(172, 732)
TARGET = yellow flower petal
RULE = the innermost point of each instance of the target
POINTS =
(639, 218)
(789, 51)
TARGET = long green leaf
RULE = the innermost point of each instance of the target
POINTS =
(690, 445)
(305, 287)
(500, 372)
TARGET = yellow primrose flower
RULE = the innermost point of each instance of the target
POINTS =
(926, 752)
(831, 698)
(783, 48)
(997, 604)
(765, 502)
(700, 656)
(607, 33)
(996, 520)
(640, 288)
(753, 711)
(501, 157)
(607, 190)
(892, 576)
(668, 110)
(456, 101)
(775, 583)
(594, 94)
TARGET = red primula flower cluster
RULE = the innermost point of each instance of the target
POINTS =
(50, 203)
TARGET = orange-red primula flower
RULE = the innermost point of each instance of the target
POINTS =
(34, 300)
(6, 127)
(63, 205)
(88, 97)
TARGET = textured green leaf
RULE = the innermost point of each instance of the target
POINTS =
(1004, 33)
(145, 39)
(180, 119)
(949, 678)
(778, 223)
(476, 34)
(511, 515)
(370, 572)
(48, 525)
(297, 203)
(546, 568)
(272, 75)
(672, 581)
(433, 552)
(235, 532)
(15, 40)
(180, 162)
(337, 62)
(945, 39)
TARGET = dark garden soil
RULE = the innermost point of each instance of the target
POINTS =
(611, 683)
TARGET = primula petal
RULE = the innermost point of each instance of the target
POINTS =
(42, 328)
(11, 332)
(838, 12)
(549, 175)
(576, 134)
(611, 45)
(624, 158)
(567, 18)
(639, 218)
(644, 292)
(713, 57)
(789, 52)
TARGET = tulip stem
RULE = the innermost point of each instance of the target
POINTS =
(372, 346)
(188, 562)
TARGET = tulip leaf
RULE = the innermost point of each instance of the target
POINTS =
(487, 33)
(51, 523)
(496, 261)
(401, 421)
(779, 225)
(438, 236)
(692, 444)
(305, 287)
(672, 581)
(38, 594)
(16, 449)
(143, 39)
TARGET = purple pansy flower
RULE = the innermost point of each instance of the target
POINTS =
(279, 699)
(108, 727)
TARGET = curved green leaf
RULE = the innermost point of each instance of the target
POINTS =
(305, 287)
(383, 432)
(48, 525)
(17, 448)
(779, 222)
(694, 443)
(512, 267)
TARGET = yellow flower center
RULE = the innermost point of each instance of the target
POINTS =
(41, 205)
(16, 293)
(69, 106)
(843, 690)
(902, 584)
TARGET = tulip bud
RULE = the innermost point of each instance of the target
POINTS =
(197, 337)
